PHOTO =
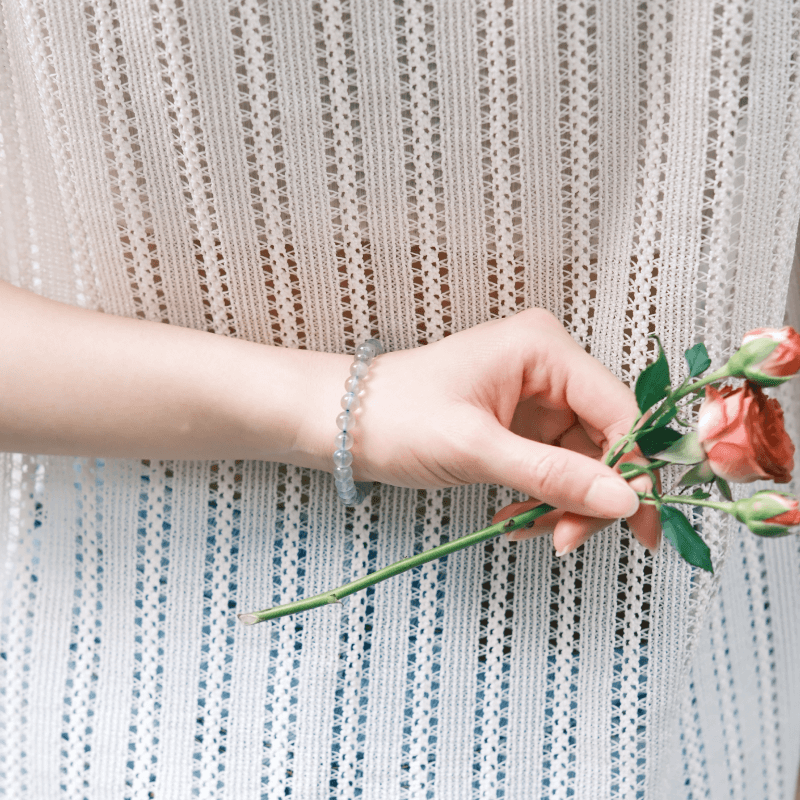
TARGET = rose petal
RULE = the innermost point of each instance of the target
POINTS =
(734, 463)
(712, 420)
(788, 518)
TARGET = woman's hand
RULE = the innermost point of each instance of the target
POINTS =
(485, 405)
(515, 402)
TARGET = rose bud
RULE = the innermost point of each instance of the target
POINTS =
(768, 513)
(742, 434)
(768, 356)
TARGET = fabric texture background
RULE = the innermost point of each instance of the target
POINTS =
(306, 175)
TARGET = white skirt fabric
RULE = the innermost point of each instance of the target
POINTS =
(306, 174)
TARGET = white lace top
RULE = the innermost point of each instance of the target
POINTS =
(307, 174)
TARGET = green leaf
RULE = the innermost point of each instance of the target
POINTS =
(666, 419)
(656, 440)
(699, 494)
(699, 473)
(679, 532)
(686, 450)
(697, 359)
(651, 385)
(724, 489)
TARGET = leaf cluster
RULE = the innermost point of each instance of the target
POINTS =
(678, 531)
(659, 441)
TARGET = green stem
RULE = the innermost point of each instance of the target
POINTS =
(634, 470)
(687, 500)
(695, 387)
(333, 596)
(695, 501)
(683, 391)
(617, 451)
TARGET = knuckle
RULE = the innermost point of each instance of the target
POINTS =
(641, 483)
(464, 440)
(545, 474)
(539, 317)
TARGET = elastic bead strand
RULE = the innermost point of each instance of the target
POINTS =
(350, 492)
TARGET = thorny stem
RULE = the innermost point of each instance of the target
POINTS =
(526, 519)
(687, 500)
(672, 399)
(333, 596)
(695, 387)
(634, 470)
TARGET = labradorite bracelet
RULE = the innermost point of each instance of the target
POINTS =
(350, 492)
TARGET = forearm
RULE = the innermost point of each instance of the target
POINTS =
(84, 383)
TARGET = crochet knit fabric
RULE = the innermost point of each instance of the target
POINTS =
(307, 174)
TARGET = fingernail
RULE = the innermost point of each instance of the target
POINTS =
(612, 497)
(654, 549)
(519, 535)
(523, 534)
(568, 549)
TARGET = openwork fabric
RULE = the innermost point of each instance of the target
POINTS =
(308, 174)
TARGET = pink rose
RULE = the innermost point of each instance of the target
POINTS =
(741, 431)
(768, 513)
(791, 514)
(768, 355)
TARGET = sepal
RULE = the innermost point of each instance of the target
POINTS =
(745, 361)
(699, 473)
(687, 450)
(768, 513)
(724, 488)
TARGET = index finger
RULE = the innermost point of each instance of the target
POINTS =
(562, 374)
(595, 394)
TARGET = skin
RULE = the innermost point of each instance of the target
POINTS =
(515, 402)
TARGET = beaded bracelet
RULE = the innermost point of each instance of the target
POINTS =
(350, 492)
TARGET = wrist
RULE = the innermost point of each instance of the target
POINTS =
(320, 385)
(271, 404)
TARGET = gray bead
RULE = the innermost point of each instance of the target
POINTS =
(345, 420)
(350, 492)
(358, 369)
(350, 401)
(342, 458)
(343, 440)
(379, 349)
(365, 353)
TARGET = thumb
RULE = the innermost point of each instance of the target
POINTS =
(560, 477)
